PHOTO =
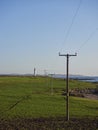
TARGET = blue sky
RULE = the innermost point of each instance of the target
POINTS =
(33, 32)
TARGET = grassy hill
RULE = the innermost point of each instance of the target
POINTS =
(41, 97)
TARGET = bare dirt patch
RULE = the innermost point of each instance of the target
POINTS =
(58, 123)
(91, 96)
(85, 93)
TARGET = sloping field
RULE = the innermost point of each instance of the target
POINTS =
(33, 102)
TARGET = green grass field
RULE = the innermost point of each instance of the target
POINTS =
(34, 97)
(41, 97)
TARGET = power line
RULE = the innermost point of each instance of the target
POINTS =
(84, 43)
(67, 82)
(73, 19)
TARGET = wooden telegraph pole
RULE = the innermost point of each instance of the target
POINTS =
(67, 83)
(34, 71)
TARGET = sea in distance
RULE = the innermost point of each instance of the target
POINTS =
(78, 77)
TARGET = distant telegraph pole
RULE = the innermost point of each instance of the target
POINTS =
(45, 72)
(67, 83)
(34, 71)
(51, 83)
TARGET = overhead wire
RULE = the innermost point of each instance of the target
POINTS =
(85, 42)
(73, 19)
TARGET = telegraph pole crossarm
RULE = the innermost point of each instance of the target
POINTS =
(67, 83)
(67, 54)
